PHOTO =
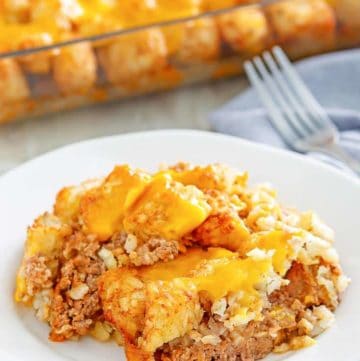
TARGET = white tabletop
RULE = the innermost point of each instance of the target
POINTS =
(182, 108)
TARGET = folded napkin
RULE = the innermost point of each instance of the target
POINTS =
(333, 78)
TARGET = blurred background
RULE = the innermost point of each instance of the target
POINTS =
(77, 69)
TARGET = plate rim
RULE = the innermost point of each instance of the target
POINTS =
(191, 132)
(282, 154)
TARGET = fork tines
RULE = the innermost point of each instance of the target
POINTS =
(293, 110)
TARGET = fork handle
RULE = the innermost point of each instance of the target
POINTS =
(334, 150)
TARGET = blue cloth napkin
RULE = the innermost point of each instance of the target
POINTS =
(333, 78)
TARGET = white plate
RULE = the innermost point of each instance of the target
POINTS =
(30, 189)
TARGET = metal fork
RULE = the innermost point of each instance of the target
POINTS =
(294, 112)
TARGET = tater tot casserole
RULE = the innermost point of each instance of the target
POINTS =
(187, 263)
(208, 40)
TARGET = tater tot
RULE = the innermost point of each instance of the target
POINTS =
(15, 10)
(133, 55)
(217, 4)
(62, 13)
(347, 11)
(223, 4)
(195, 41)
(37, 63)
(13, 85)
(348, 16)
(245, 30)
(75, 68)
(303, 27)
(170, 9)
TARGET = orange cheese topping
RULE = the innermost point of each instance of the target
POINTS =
(62, 19)
(234, 275)
(167, 209)
(183, 265)
(103, 208)
(217, 271)
(278, 242)
(144, 205)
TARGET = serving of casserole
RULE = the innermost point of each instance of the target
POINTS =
(187, 263)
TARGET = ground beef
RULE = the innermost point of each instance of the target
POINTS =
(303, 287)
(154, 250)
(251, 349)
(245, 343)
(69, 317)
(80, 266)
(257, 339)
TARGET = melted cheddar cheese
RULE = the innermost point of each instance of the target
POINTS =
(183, 265)
(103, 208)
(166, 209)
(209, 269)
(137, 203)
(166, 296)
(278, 242)
(63, 19)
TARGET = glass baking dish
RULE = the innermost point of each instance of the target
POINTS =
(43, 77)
